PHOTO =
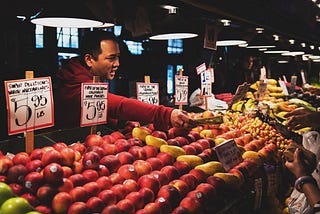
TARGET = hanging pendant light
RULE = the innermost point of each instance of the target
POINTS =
(174, 26)
(66, 14)
(230, 36)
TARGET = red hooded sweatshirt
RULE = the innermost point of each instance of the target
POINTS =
(67, 95)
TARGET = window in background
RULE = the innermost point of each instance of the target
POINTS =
(175, 46)
(134, 47)
(67, 37)
(39, 36)
(170, 79)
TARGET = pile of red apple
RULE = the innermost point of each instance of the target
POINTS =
(116, 172)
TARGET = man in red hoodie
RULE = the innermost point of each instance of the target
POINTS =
(99, 56)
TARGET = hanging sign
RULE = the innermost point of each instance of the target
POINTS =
(94, 99)
(303, 77)
(210, 37)
(181, 90)
(201, 68)
(148, 92)
(228, 154)
(29, 104)
(206, 83)
(284, 87)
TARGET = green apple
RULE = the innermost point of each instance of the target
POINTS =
(33, 212)
(5, 192)
(15, 205)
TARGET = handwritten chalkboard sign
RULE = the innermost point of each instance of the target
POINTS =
(29, 104)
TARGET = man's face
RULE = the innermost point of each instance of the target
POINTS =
(108, 61)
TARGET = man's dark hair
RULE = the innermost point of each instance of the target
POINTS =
(90, 43)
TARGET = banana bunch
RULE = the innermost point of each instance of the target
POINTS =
(243, 105)
(301, 103)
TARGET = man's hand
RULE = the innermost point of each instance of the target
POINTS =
(301, 118)
(180, 119)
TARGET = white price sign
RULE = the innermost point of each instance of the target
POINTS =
(148, 92)
(206, 83)
(228, 154)
(181, 90)
(94, 99)
(29, 104)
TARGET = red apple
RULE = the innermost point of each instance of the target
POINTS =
(199, 174)
(164, 204)
(190, 138)
(91, 160)
(173, 142)
(97, 149)
(191, 204)
(95, 204)
(61, 202)
(129, 125)
(112, 209)
(43, 209)
(109, 149)
(182, 140)
(66, 185)
(190, 150)
(31, 198)
(59, 146)
(116, 178)
(104, 182)
(182, 166)
(135, 141)
(147, 194)
(166, 158)
(247, 137)
(150, 182)
(77, 179)
(21, 158)
(16, 174)
(103, 170)
(197, 146)
(119, 190)
(138, 152)
(130, 185)
(151, 151)
(181, 186)
(174, 132)
(208, 190)
(51, 156)
(67, 171)
(125, 158)
(108, 197)
(197, 194)
(78, 207)
(53, 173)
(36, 154)
(161, 176)
(108, 138)
(239, 141)
(126, 206)
(111, 162)
(171, 171)
(68, 156)
(93, 140)
(218, 183)
(204, 143)
(32, 181)
(142, 167)
(79, 193)
(128, 171)
(137, 199)
(90, 175)
(122, 145)
(152, 208)
(155, 163)
(77, 166)
(92, 188)
(17, 189)
(160, 134)
(190, 179)
(34, 165)
(46, 193)
(195, 134)
(170, 193)
(180, 210)
(117, 135)
(80, 147)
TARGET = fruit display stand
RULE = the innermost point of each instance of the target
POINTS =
(143, 170)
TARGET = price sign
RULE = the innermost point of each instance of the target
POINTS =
(284, 87)
(240, 93)
(94, 97)
(181, 90)
(206, 83)
(29, 104)
(228, 154)
(148, 92)
(263, 88)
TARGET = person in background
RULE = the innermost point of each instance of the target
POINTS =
(99, 56)
(306, 183)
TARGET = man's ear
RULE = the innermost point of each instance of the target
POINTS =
(88, 59)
